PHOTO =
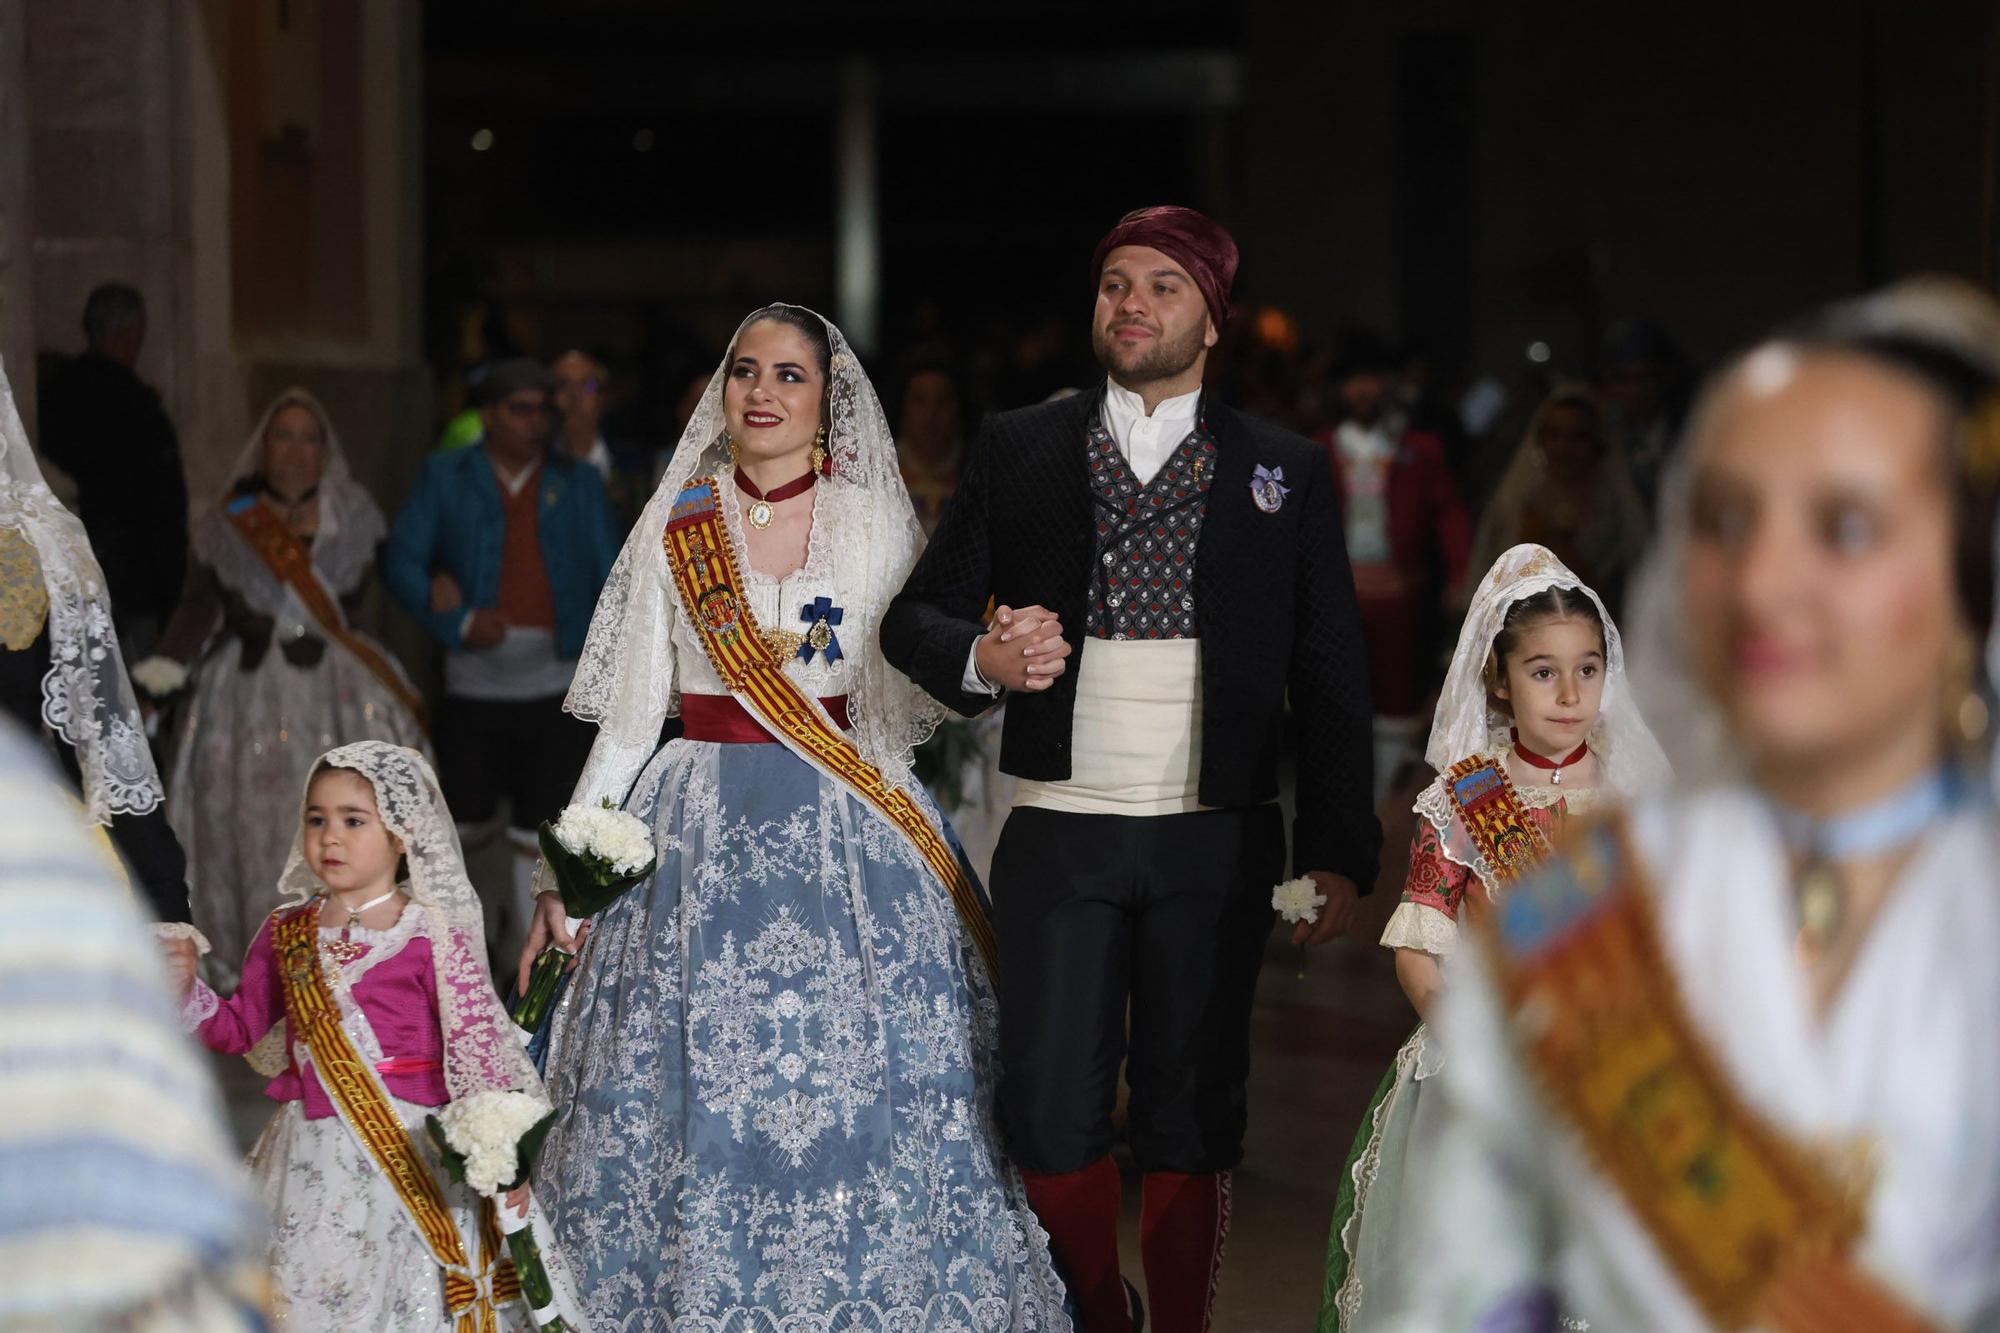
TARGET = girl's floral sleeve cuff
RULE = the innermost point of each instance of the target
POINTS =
(181, 930)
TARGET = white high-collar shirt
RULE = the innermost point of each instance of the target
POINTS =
(1147, 441)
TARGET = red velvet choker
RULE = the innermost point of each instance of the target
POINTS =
(1555, 766)
(761, 512)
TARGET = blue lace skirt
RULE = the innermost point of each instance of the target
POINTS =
(774, 1072)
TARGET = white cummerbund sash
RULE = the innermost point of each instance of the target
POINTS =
(1135, 742)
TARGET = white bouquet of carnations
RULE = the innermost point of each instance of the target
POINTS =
(481, 1138)
(489, 1141)
(620, 843)
(596, 854)
(159, 676)
(1298, 900)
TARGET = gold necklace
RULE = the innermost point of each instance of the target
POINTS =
(344, 950)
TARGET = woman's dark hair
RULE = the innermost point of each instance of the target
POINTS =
(1524, 615)
(806, 324)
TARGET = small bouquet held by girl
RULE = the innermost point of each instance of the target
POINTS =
(369, 1000)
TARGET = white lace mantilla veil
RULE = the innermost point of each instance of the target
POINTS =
(87, 698)
(482, 1051)
(625, 679)
(1466, 724)
(351, 525)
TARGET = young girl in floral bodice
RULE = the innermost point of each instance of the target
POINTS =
(378, 968)
(1534, 726)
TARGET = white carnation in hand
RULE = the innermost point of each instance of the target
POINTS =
(159, 676)
(621, 841)
(1298, 900)
(486, 1129)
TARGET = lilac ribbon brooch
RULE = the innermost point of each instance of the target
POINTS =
(1268, 489)
(822, 615)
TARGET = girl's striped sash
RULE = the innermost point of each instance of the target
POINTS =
(357, 1093)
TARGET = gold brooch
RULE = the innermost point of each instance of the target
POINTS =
(783, 643)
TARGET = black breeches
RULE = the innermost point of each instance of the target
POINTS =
(1166, 914)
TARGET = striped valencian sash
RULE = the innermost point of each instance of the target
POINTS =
(703, 561)
(290, 562)
(364, 1105)
(1760, 1230)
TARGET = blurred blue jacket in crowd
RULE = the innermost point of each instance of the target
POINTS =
(454, 522)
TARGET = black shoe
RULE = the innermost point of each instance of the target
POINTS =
(1135, 1305)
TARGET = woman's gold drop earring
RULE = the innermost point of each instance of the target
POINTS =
(1962, 696)
(819, 449)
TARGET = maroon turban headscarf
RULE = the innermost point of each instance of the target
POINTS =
(1195, 241)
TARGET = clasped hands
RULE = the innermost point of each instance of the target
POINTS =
(1022, 650)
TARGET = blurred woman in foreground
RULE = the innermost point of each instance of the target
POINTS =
(1731, 1061)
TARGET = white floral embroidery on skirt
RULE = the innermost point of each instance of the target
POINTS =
(774, 1073)
(344, 1255)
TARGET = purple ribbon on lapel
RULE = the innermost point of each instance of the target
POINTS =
(1268, 489)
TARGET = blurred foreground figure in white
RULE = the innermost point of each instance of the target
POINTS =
(1730, 1062)
(125, 1208)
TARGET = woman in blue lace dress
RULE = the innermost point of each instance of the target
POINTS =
(773, 1065)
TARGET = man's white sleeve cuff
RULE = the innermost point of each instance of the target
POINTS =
(972, 682)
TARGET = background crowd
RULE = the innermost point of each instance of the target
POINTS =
(499, 550)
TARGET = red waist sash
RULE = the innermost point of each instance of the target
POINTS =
(719, 717)
(395, 1064)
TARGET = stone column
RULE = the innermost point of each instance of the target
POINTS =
(107, 137)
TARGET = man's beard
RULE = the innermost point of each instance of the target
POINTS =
(1162, 359)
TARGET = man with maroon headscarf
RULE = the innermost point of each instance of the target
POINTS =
(1167, 573)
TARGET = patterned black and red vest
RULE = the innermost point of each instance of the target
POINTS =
(1142, 579)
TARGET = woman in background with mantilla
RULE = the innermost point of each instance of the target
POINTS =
(279, 674)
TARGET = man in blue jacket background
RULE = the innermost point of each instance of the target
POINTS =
(501, 551)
